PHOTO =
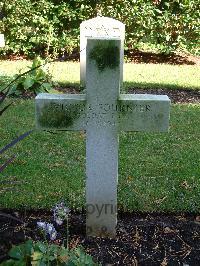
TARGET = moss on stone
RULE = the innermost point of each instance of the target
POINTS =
(106, 54)
(53, 116)
(120, 105)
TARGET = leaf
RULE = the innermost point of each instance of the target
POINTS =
(167, 4)
(36, 256)
(40, 74)
(168, 37)
(17, 252)
(38, 263)
(71, 263)
(28, 82)
(52, 257)
(8, 263)
(13, 89)
(17, 92)
(46, 86)
(63, 255)
(13, 263)
(88, 260)
(29, 247)
(79, 257)
(158, 11)
(54, 249)
(41, 246)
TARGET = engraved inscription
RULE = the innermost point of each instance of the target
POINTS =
(101, 31)
(102, 109)
(100, 114)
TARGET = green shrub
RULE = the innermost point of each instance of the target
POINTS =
(39, 27)
(37, 80)
(166, 24)
(41, 253)
(51, 27)
(47, 252)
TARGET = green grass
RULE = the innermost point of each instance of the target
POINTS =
(162, 76)
(157, 172)
(135, 75)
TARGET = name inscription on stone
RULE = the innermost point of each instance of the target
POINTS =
(103, 114)
(104, 108)
(128, 113)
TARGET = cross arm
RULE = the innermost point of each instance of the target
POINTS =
(144, 112)
(60, 112)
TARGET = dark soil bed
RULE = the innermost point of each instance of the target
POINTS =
(136, 56)
(133, 55)
(176, 96)
(142, 239)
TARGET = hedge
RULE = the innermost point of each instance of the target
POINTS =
(51, 27)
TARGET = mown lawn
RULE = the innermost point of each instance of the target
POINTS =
(157, 172)
(135, 75)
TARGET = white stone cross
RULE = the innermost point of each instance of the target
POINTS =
(2, 40)
(95, 28)
(102, 112)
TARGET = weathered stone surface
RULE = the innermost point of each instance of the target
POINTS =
(57, 111)
(102, 138)
(143, 112)
(102, 113)
(100, 27)
(135, 112)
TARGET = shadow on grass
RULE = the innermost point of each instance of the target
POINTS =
(160, 58)
(127, 85)
(153, 85)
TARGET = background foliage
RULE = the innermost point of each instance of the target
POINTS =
(51, 27)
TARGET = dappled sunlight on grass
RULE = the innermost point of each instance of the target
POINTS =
(156, 171)
(135, 75)
(162, 76)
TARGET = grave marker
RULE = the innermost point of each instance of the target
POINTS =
(103, 112)
(97, 28)
(2, 40)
